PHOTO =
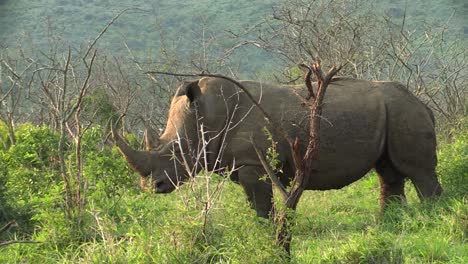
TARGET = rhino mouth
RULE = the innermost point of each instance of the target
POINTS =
(163, 187)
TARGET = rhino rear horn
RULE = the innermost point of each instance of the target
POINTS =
(139, 160)
(151, 138)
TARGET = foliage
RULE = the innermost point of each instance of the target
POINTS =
(453, 163)
(98, 108)
(104, 167)
(3, 136)
(32, 189)
(272, 154)
(28, 169)
(124, 225)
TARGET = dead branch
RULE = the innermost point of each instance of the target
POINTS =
(5, 228)
(303, 164)
(105, 29)
(8, 226)
(7, 243)
(308, 81)
(7, 94)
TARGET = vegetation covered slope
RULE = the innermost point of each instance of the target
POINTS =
(123, 225)
(177, 22)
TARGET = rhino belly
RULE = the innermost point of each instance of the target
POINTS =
(336, 171)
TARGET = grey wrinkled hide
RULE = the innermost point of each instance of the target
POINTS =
(364, 125)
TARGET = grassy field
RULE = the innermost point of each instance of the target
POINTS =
(123, 225)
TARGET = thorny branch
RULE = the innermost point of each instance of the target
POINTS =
(304, 165)
(105, 29)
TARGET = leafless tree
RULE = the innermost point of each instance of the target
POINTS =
(434, 67)
(65, 80)
(58, 82)
(428, 59)
(303, 164)
(13, 88)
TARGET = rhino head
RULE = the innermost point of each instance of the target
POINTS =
(164, 160)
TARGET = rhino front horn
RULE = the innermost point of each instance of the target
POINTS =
(139, 160)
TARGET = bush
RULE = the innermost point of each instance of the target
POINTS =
(28, 170)
(104, 167)
(123, 225)
(453, 164)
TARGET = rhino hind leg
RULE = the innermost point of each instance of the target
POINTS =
(414, 156)
(259, 192)
(426, 184)
(411, 142)
(392, 183)
(418, 165)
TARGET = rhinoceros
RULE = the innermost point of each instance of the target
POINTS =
(365, 125)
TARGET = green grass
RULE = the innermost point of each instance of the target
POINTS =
(341, 226)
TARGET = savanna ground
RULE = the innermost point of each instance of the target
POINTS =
(123, 225)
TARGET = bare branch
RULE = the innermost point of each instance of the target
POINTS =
(8, 226)
(7, 93)
(308, 81)
(105, 29)
(7, 243)
(11, 69)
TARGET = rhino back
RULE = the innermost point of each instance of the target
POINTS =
(352, 129)
(352, 134)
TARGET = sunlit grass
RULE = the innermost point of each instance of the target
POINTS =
(340, 226)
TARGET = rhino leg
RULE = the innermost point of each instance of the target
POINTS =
(414, 156)
(392, 183)
(259, 192)
(411, 142)
(426, 184)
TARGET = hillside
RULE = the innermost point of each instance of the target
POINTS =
(180, 24)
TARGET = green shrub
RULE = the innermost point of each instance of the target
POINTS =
(453, 165)
(28, 170)
(104, 167)
(121, 224)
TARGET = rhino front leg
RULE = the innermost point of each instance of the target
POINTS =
(259, 191)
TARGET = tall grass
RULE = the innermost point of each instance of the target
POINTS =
(124, 225)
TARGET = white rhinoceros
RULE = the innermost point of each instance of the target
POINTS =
(365, 125)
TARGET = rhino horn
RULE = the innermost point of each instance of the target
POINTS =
(151, 138)
(138, 160)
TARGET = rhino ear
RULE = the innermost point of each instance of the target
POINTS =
(190, 89)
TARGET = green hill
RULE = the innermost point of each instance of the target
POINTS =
(182, 25)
